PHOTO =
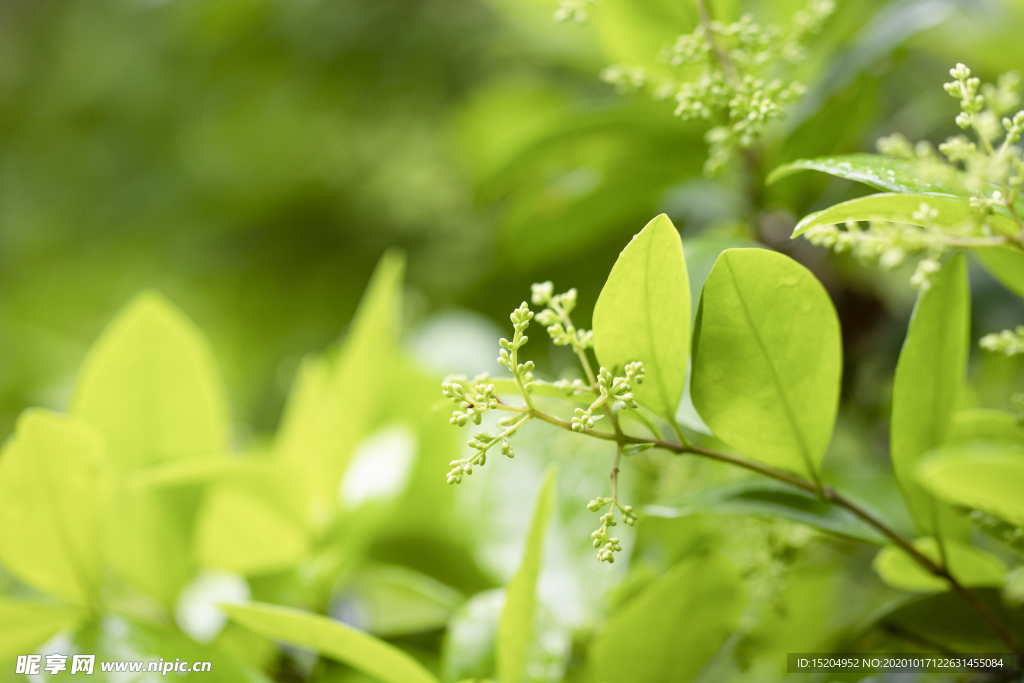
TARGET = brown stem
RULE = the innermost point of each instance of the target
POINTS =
(988, 616)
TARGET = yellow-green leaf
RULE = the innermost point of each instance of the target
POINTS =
(953, 212)
(1006, 264)
(670, 631)
(930, 374)
(986, 476)
(515, 630)
(767, 359)
(643, 314)
(25, 625)
(332, 639)
(54, 490)
(151, 387)
(971, 567)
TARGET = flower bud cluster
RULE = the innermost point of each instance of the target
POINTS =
(556, 317)
(1009, 342)
(730, 89)
(474, 398)
(887, 245)
(618, 391)
(607, 545)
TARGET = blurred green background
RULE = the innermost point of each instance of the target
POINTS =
(253, 159)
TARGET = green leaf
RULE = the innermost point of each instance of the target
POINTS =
(883, 173)
(774, 500)
(470, 637)
(970, 566)
(239, 530)
(337, 400)
(670, 631)
(515, 630)
(393, 600)
(151, 387)
(986, 476)
(332, 639)
(25, 625)
(985, 425)
(54, 491)
(930, 374)
(1006, 264)
(767, 359)
(643, 314)
(900, 208)
(946, 620)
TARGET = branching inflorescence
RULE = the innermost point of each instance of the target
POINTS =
(478, 396)
(719, 73)
(988, 170)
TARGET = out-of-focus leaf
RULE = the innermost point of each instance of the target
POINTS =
(55, 486)
(776, 500)
(767, 359)
(114, 638)
(336, 401)
(643, 314)
(945, 620)
(393, 600)
(670, 631)
(238, 531)
(985, 425)
(331, 639)
(882, 173)
(971, 566)
(900, 208)
(515, 629)
(930, 374)
(151, 387)
(986, 476)
(1006, 264)
(25, 625)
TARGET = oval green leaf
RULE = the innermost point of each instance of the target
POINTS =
(767, 359)
(1006, 264)
(515, 630)
(643, 314)
(332, 639)
(971, 567)
(986, 476)
(883, 173)
(930, 374)
(985, 425)
(54, 491)
(954, 212)
(673, 628)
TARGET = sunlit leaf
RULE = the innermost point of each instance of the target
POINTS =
(929, 377)
(987, 476)
(336, 400)
(515, 630)
(25, 625)
(767, 359)
(971, 566)
(55, 487)
(643, 314)
(882, 173)
(1006, 264)
(670, 631)
(151, 387)
(953, 213)
(331, 639)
